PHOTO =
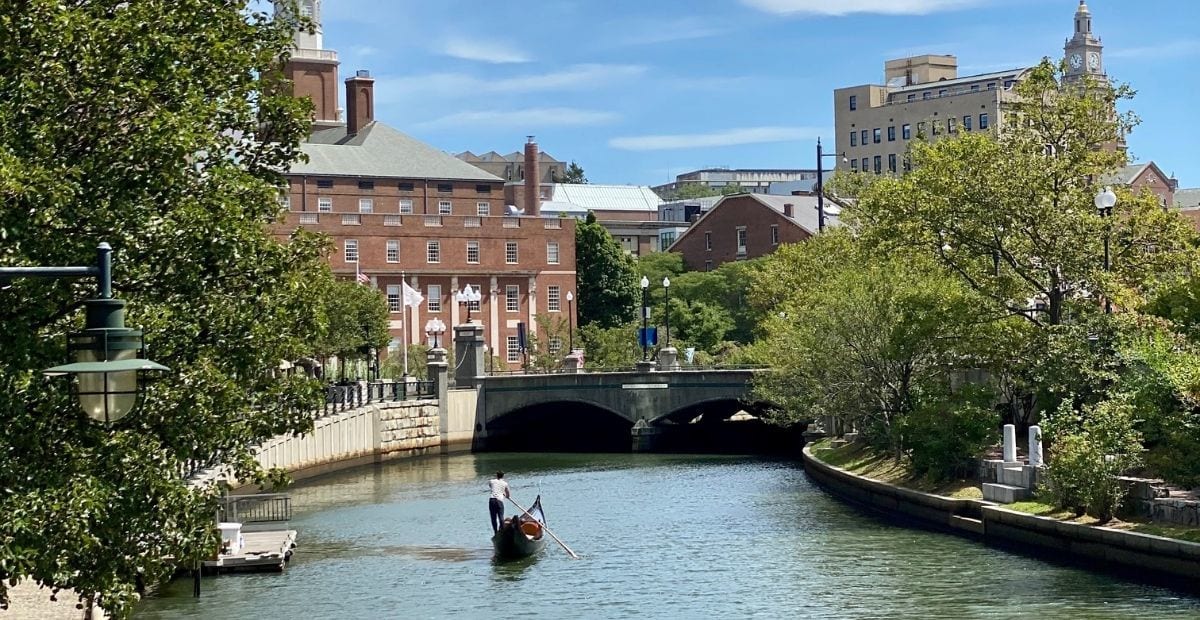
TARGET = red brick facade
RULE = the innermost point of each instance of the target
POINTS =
(714, 238)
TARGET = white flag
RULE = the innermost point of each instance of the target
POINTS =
(412, 297)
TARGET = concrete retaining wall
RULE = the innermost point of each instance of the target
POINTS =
(1095, 547)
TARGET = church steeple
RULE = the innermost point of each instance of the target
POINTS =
(312, 69)
(1083, 51)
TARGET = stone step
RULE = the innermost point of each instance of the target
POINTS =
(1004, 493)
(1017, 476)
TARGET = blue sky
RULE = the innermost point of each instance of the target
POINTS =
(637, 91)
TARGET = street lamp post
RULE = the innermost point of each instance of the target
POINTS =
(468, 296)
(667, 311)
(109, 359)
(821, 184)
(645, 318)
(1105, 201)
(570, 322)
(435, 328)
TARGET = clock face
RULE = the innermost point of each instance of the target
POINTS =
(1076, 61)
(1093, 61)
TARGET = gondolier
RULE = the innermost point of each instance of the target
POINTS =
(499, 489)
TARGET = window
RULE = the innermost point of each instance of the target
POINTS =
(350, 250)
(967, 123)
(775, 234)
(433, 298)
(445, 187)
(366, 185)
(510, 252)
(892, 162)
(906, 131)
(991, 86)
(444, 207)
(741, 240)
(921, 129)
(974, 88)
(512, 349)
(854, 164)
(708, 265)
(404, 186)
(474, 305)
(892, 133)
(853, 138)
(552, 252)
(907, 164)
(472, 222)
(926, 95)
(555, 345)
(878, 135)
(878, 164)
(865, 166)
(393, 251)
(366, 205)
(406, 206)
(324, 183)
(285, 202)
(308, 218)
(952, 125)
(393, 298)
(942, 92)
(473, 252)
(324, 204)
(433, 251)
(937, 127)
(1008, 84)
(863, 137)
(708, 241)
(392, 220)
(983, 121)
(483, 208)
(552, 299)
(483, 189)
(666, 239)
(912, 96)
(351, 219)
(512, 298)
(853, 102)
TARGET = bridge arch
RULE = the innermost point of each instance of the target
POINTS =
(577, 425)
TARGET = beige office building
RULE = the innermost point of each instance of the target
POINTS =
(924, 96)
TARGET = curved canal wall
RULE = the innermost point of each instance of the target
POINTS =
(1169, 559)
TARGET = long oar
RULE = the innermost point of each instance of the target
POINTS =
(556, 538)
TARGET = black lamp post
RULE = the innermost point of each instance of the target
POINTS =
(570, 322)
(468, 296)
(1105, 201)
(821, 184)
(667, 310)
(645, 318)
(109, 358)
(435, 328)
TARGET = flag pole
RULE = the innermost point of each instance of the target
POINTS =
(404, 321)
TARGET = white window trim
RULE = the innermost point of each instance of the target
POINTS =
(477, 253)
(431, 248)
(393, 244)
(405, 206)
(324, 204)
(509, 289)
(346, 245)
(513, 257)
(552, 258)
(445, 207)
(433, 300)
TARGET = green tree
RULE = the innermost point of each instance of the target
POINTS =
(574, 174)
(168, 142)
(610, 347)
(692, 190)
(357, 321)
(1090, 450)
(608, 291)
(1011, 214)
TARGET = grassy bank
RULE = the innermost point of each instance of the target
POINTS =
(876, 465)
(1142, 526)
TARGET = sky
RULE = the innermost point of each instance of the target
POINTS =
(637, 91)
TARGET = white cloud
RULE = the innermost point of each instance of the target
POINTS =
(485, 51)
(577, 77)
(1170, 49)
(846, 7)
(729, 137)
(526, 118)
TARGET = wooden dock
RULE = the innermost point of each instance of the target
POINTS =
(264, 551)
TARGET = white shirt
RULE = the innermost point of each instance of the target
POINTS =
(498, 487)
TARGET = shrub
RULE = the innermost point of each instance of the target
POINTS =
(1090, 449)
(946, 436)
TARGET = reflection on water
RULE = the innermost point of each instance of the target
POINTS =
(660, 537)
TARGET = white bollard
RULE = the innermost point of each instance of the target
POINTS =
(1035, 446)
(1010, 443)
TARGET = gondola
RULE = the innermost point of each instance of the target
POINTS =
(523, 535)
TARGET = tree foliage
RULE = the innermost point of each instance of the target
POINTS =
(357, 321)
(574, 174)
(608, 291)
(160, 127)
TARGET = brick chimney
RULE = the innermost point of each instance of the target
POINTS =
(789, 210)
(360, 101)
(533, 178)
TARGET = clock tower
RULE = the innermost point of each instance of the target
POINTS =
(1084, 51)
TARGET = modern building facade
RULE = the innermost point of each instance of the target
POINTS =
(755, 181)
(924, 96)
(399, 210)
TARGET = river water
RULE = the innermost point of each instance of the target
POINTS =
(661, 536)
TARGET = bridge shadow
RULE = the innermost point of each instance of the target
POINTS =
(558, 427)
(725, 426)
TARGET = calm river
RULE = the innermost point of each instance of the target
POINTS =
(660, 537)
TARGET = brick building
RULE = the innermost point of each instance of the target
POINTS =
(401, 210)
(746, 226)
